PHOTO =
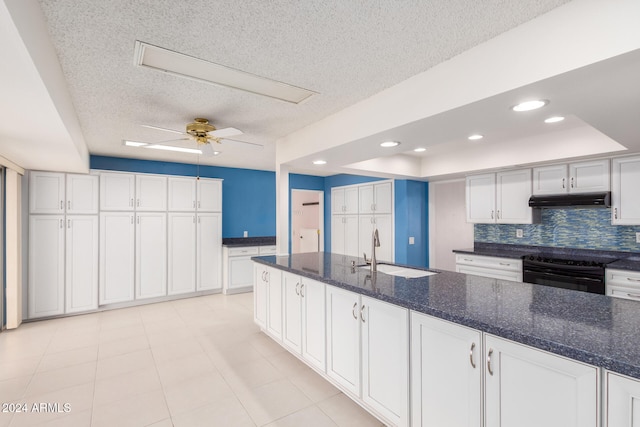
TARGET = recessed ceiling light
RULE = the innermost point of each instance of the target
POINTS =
(475, 137)
(554, 119)
(530, 105)
(171, 148)
(388, 144)
(419, 149)
(179, 64)
(319, 162)
(134, 143)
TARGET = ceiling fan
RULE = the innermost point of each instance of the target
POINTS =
(204, 134)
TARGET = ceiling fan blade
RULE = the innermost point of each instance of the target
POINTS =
(223, 133)
(241, 144)
(207, 150)
(164, 129)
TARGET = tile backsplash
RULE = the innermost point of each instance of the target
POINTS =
(588, 228)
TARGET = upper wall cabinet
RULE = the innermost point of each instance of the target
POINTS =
(151, 193)
(189, 194)
(625, 203)
(117, 191)
(501, 198)
(344, 200)
(56, 193)
(375, 198)
(580, 177)
(209, 195)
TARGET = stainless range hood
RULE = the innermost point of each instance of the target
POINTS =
(584, 200)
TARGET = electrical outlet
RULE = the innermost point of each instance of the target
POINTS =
(245, 234)
(519, 233)
(412, 240)
(637, 237)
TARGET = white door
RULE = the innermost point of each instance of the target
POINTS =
(383, 195)
(117, 191)
(625, 206)
(260, 287)
(589, 177)
(117, 257)
(481, 198)
(182, 194)
(151, 255)
(46, 265)
(209, 195)
(526, 387)
(338, 226)
(82, 194)
(181, 249)
(550, 180)
(446, 373)
(151, 193)
(46, 193)
(343, 338)
(513, 190)
(313, 323)
(292, 309)
(622, 402)
(385, 359)
(274, 304)
(81, 278)
(209, 251)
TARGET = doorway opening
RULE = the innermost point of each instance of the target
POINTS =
(307, 221)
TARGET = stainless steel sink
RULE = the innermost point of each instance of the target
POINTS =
(396, 270)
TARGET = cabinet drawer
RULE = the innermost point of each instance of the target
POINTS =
(495, 263)
(267, 250)
(243, 251)
(622, 292)
(623, 278)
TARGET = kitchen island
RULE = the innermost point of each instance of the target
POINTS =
(587, 330)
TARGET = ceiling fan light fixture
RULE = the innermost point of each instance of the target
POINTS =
(530, 105)
(179, 64)
(172, 148)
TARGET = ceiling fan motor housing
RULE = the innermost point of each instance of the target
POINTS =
(199, 128)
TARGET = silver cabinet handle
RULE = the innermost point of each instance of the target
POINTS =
(62, 223)
(353, 310)
(194, 203)
(572, 186)
(467, 259)
(633, 295)
(505, 264)
(563, 185)
(68, 223)
(61, 204)
(498, 214)
(131, 202)
(302, 290)
(198, 204)
(631, 279)
(68, 204)
(132, 220)
(615, 213)
(138, 202)
(489, 361)
(362, 314)
(473, 347)
(491, 214)
(297, 290)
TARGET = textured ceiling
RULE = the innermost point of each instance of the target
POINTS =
(344, 50)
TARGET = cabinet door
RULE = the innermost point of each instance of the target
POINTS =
(384, 225)
(274, 303)
(383, 196)
(589, 177)
(46, 193)
(351, 200)
(292, 310)
(117, 191)
(151, 255)
(526, 387)
(117, 257)
(313, 323)
(337, 201)
(209, 252)
(338, 226)
(625, 206)
(366, 199)
(385, 359)
(481, 198)
(182, 194)
(550, 180)
(623, 401)
(46, 265)
(182, 253)
(513, 190)
(260, 286)
(343, 338)
(81, 283)
(351, 241)
(446, 373)
(365, 234)
(82, 194)
(151, 193)
(209, 195)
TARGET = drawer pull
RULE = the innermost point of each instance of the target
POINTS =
(302, 290)
(467, 259)
(489, 361)
(631, 279)
(505, 263)
(362, 314)
(637, 296)
(297, 288)
(353, 310)
(473, 347)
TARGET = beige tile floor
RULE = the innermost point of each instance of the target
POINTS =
(192, 362)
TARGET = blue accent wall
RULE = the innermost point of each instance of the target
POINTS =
(411, 205)
(248, 196)
(565, 228)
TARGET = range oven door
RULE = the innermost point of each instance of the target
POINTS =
(586, 279)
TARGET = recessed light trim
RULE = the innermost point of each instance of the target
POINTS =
(172, 148)
(475, 137)
(419, 149)
(554, 119)
(179, 64)
(389, 144)
(319, 162)
(530, 105)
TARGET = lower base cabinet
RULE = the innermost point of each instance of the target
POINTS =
(623, 401)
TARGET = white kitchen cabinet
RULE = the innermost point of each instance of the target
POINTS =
(501, 198)
(493, 267)
(260, 293)
(625, 203)
(344, 200)
(292, 312)
(579, 177)
(117, 191)
(481, 198)
(117, 257)
(81, 276)
(209, 195)
(376, 198)
(622, 284)
(274, 304)
(151, 193)
(151, 255)
(446, 373)
(344, 235)
(56, 193)
(384, 224)
(209, 252)
(82, 194)
(622, 401)
(385, 359)
(313, 323)
(46, 266)
(181, 253)
(181, 194)
(526, 387)
(237, 272)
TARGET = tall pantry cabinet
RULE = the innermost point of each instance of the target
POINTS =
(63, 243)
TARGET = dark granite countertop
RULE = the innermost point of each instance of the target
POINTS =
(595, 329)
(237, 242)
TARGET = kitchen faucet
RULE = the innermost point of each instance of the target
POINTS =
(375, 243)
